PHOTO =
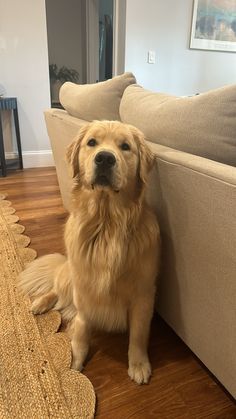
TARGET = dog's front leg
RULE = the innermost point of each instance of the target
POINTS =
(140, 316)
(79, 342)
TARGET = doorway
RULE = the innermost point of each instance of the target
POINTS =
(105, 39)
(86, 41)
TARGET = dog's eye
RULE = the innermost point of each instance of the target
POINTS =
(125, 146)
(92, 142)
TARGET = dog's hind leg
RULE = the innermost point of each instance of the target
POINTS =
(44, 303)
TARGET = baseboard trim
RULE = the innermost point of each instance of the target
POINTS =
(40, 158)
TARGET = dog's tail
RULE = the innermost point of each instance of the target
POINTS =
(49, 275)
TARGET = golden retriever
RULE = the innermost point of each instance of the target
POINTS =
(107, 279)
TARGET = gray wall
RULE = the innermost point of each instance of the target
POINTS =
(164, 26)
(65, 34)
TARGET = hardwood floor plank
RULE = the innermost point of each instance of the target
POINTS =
(180, 388)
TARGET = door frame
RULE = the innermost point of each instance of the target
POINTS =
(92, 39)
(119, 33)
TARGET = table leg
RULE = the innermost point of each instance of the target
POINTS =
(17, 128)
(2, 151)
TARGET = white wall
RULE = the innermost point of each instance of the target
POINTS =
(164, 26)
(24, 67)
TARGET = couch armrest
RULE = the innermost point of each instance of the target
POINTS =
(195, 200)
(193, 162)
(62, 129)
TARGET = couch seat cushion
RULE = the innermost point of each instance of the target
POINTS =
(95, 101)
(204, 125)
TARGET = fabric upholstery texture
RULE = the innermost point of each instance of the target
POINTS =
(195, 200)
(204, 125)
(95, 101)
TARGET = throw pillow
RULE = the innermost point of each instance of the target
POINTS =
(204, 125)
(95, 101)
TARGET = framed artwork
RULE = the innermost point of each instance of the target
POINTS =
(214, 25)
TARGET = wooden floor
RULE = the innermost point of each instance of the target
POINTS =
(180, 387)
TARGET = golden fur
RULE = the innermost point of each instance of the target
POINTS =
(112, 239)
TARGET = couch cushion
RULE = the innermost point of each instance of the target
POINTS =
(95, 101)
(204, 125)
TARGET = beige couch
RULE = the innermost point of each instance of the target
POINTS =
(193, 188)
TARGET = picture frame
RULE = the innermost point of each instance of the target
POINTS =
(214, 25)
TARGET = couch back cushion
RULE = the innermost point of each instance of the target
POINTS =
(95, 101)
(204, 125)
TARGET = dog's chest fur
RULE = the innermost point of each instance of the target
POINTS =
(98, 252)
(100, 240)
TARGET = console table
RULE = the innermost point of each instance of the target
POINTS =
(9, 103)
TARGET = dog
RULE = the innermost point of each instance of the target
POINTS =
(107, 280)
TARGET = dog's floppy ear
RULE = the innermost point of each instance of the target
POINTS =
(147, 160)
(72, 152)
(146, 156)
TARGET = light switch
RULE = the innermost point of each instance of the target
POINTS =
(151, 57)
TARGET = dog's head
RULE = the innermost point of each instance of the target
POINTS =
(110, 155)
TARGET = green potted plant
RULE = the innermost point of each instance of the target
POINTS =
(58, 76)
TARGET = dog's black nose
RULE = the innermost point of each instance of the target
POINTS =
(105, 159)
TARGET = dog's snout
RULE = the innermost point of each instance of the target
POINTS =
(105, 159)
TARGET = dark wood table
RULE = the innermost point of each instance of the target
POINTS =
(9, 103)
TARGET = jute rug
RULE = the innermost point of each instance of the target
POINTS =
(35, 376)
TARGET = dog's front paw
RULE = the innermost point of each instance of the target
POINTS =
(140, 372)
(78, 356)
(77, 364)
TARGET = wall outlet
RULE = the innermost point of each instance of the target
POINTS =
(151, 57)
